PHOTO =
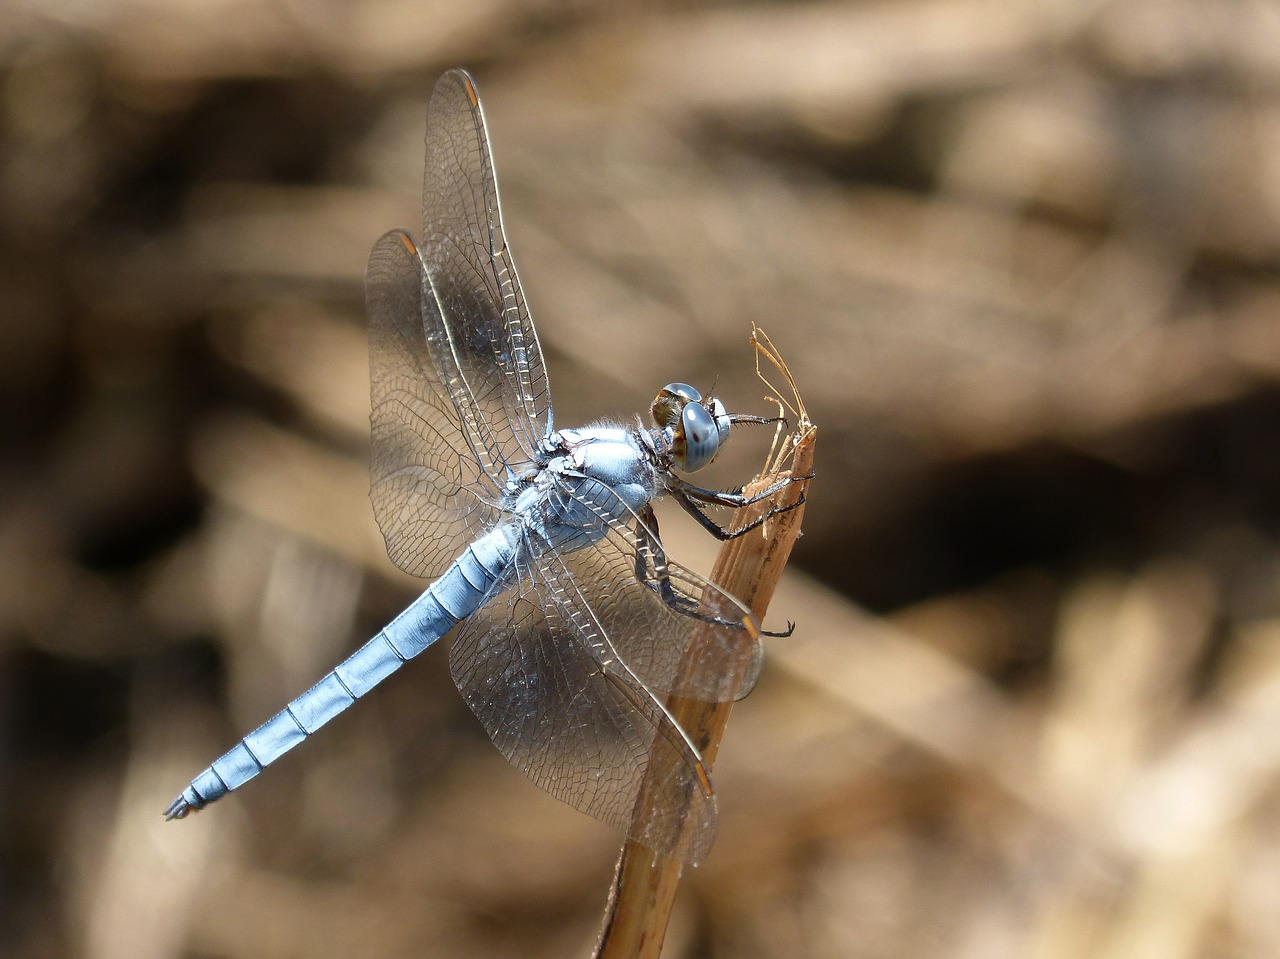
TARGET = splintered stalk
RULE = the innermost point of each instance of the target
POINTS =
(749, 567)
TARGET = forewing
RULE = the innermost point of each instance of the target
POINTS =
(535, 668)
(487, 348)
(430, 495)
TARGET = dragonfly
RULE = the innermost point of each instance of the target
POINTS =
(570, 624)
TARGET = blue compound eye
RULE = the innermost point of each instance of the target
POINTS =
(701, 433)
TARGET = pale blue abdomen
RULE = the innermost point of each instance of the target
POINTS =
(459, 592)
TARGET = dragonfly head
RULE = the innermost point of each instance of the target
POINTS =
(698, 426)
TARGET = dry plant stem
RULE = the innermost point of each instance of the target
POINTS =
(749, 567)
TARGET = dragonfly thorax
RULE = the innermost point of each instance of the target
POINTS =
(697, 427)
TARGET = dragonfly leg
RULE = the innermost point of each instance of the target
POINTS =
(650, 552)
(735, 498)
(686, 498)
(737, 418)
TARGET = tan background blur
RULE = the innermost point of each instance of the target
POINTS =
(1022, 258)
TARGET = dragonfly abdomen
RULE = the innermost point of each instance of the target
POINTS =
(459, 592)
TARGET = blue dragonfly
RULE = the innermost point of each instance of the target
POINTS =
(570, 623)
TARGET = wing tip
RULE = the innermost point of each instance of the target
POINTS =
(406, 241)
(469, 85)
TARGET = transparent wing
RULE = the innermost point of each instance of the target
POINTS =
(582, 730)
(677, 632)
(486, 347)
(430, 494)
(565, 667)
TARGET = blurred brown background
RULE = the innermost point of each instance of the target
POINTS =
(1022, 259)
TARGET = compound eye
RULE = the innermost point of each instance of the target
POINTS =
(669, 402)
(701, 434)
